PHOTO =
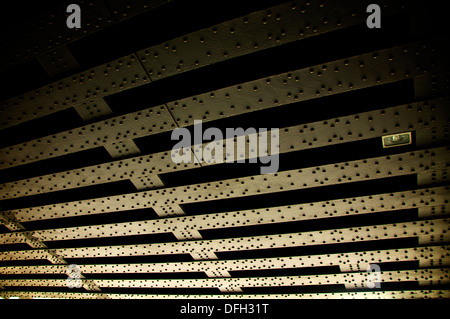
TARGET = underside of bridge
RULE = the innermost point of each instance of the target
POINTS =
(337, 186)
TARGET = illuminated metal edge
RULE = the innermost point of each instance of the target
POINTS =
(404, 294)
(188, 227)
(321, 133)
(427, 256)
(166, 201)
(90, 84)
(391, 65)
(350, 280)
(428, 231)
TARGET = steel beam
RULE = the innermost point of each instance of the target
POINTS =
(428, 119)
(286, 23)
(426, 256)
(396, 294)
(188, 227)
(428, 231)
(350, 280)
(345, 75)
(166, 201)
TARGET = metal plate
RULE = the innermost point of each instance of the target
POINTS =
(58, 62)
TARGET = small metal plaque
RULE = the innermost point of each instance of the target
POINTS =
(397, 140)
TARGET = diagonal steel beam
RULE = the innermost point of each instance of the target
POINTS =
(189, 227)
(344, 75)
(287, 22)
(428, 231)
(428, 119)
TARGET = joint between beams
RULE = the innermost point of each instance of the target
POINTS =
(11, 223)
(186, 234)
(353, 267)
(204, 255)
(217, 273)
(230, 289)
(122, 148)
(169, 210)
(146, 182)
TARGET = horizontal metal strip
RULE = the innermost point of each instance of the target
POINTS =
(385, 66)
(427, 256)
(87, 89)
(428, 231)
(165, 201)
(427, 118)
(188, 227)
(351, 280)
(396, 294)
